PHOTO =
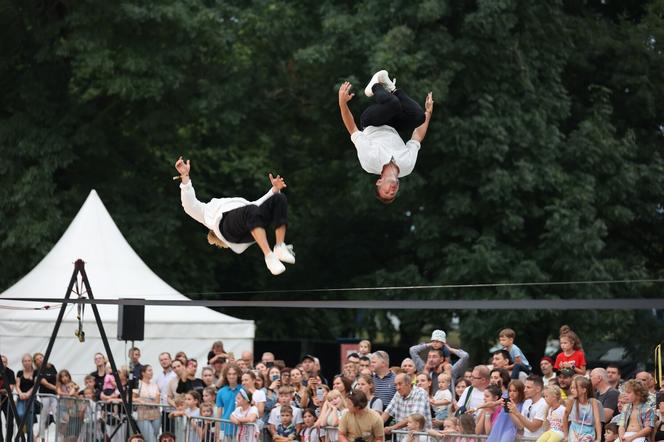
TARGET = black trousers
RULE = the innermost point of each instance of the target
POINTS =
(396, 109)
(236, 225)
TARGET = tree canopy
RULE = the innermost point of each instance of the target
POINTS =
(543, 161)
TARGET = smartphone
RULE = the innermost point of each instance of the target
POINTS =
(320, 393)
(507, 400)
(275, 377)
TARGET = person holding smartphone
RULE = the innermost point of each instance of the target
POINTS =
(504, 428)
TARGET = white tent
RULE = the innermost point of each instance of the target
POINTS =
(114, 271)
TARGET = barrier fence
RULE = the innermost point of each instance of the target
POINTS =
(72, 419)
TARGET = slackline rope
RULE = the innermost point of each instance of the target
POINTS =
(441, 304)
(416, 304)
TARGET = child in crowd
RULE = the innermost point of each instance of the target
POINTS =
(331, 412)
(571, 356)
(443, 398)
(309, 433)
(553, 424)
(178, 418)
(285, 397)
(488, 414)
(450, 425)
(415, 424)
(109, 385)
(611, 432)
(86, 410)
(364, 348)
(208, 430)
(209, 396)
(88, 382)
(192, 400)
(506, 338)
(638, 418)
(582, 416)
(245, 413)
(286, 430)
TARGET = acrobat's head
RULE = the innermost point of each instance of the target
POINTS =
(213, 240)
(387, 188)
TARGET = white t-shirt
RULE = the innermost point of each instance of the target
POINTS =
(476, 398)
(555, 418)
(442, 395)
(275, 416)
(377, 145)
(534, 411)
(246, 433)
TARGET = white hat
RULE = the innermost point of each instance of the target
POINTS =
(439, 335)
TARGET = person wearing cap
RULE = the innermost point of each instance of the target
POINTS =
(546, 365)
(438, 342)
(565, 377)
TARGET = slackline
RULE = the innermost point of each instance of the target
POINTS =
(415, 304)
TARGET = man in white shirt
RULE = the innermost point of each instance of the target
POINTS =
(380, 149)
(480, 380)
(236, 223)
(165, 376)
(533, 412)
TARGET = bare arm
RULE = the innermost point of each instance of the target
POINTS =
(420, 132)
(346, 115)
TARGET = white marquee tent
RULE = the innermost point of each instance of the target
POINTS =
(114, 271)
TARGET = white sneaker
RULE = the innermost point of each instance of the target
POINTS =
(274, 265)
(375, 79)
(285, 253)
(384, 79)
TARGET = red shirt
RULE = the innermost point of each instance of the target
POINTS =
(578, 358)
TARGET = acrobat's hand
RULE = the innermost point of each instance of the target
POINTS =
(428, 103)
(344, 93)
(182, 167)
(277, 182)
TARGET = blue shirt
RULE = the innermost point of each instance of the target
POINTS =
(516, 352)
(226, 401)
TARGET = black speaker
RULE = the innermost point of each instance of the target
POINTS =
(131, 322)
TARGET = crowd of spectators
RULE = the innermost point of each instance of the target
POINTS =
(431, 394)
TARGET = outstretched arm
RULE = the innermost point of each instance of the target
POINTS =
(420, 131)
(344, 97)
(183, 169)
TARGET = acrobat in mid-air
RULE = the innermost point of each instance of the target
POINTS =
(380, 149)
(236, 223)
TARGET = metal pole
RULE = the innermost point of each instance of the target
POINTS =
(80, 265)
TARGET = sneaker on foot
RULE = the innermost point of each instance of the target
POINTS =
(374, 80)
(384, 79)
(285, 253)
(274, 265)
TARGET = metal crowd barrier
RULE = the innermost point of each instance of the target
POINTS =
(400, 435)
(211, 429)
(74, 419)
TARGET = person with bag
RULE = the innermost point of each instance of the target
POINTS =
(148, 413)
(582, 420)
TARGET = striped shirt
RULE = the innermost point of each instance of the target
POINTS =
(384, 388)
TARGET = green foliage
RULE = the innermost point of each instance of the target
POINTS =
(543, 161)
